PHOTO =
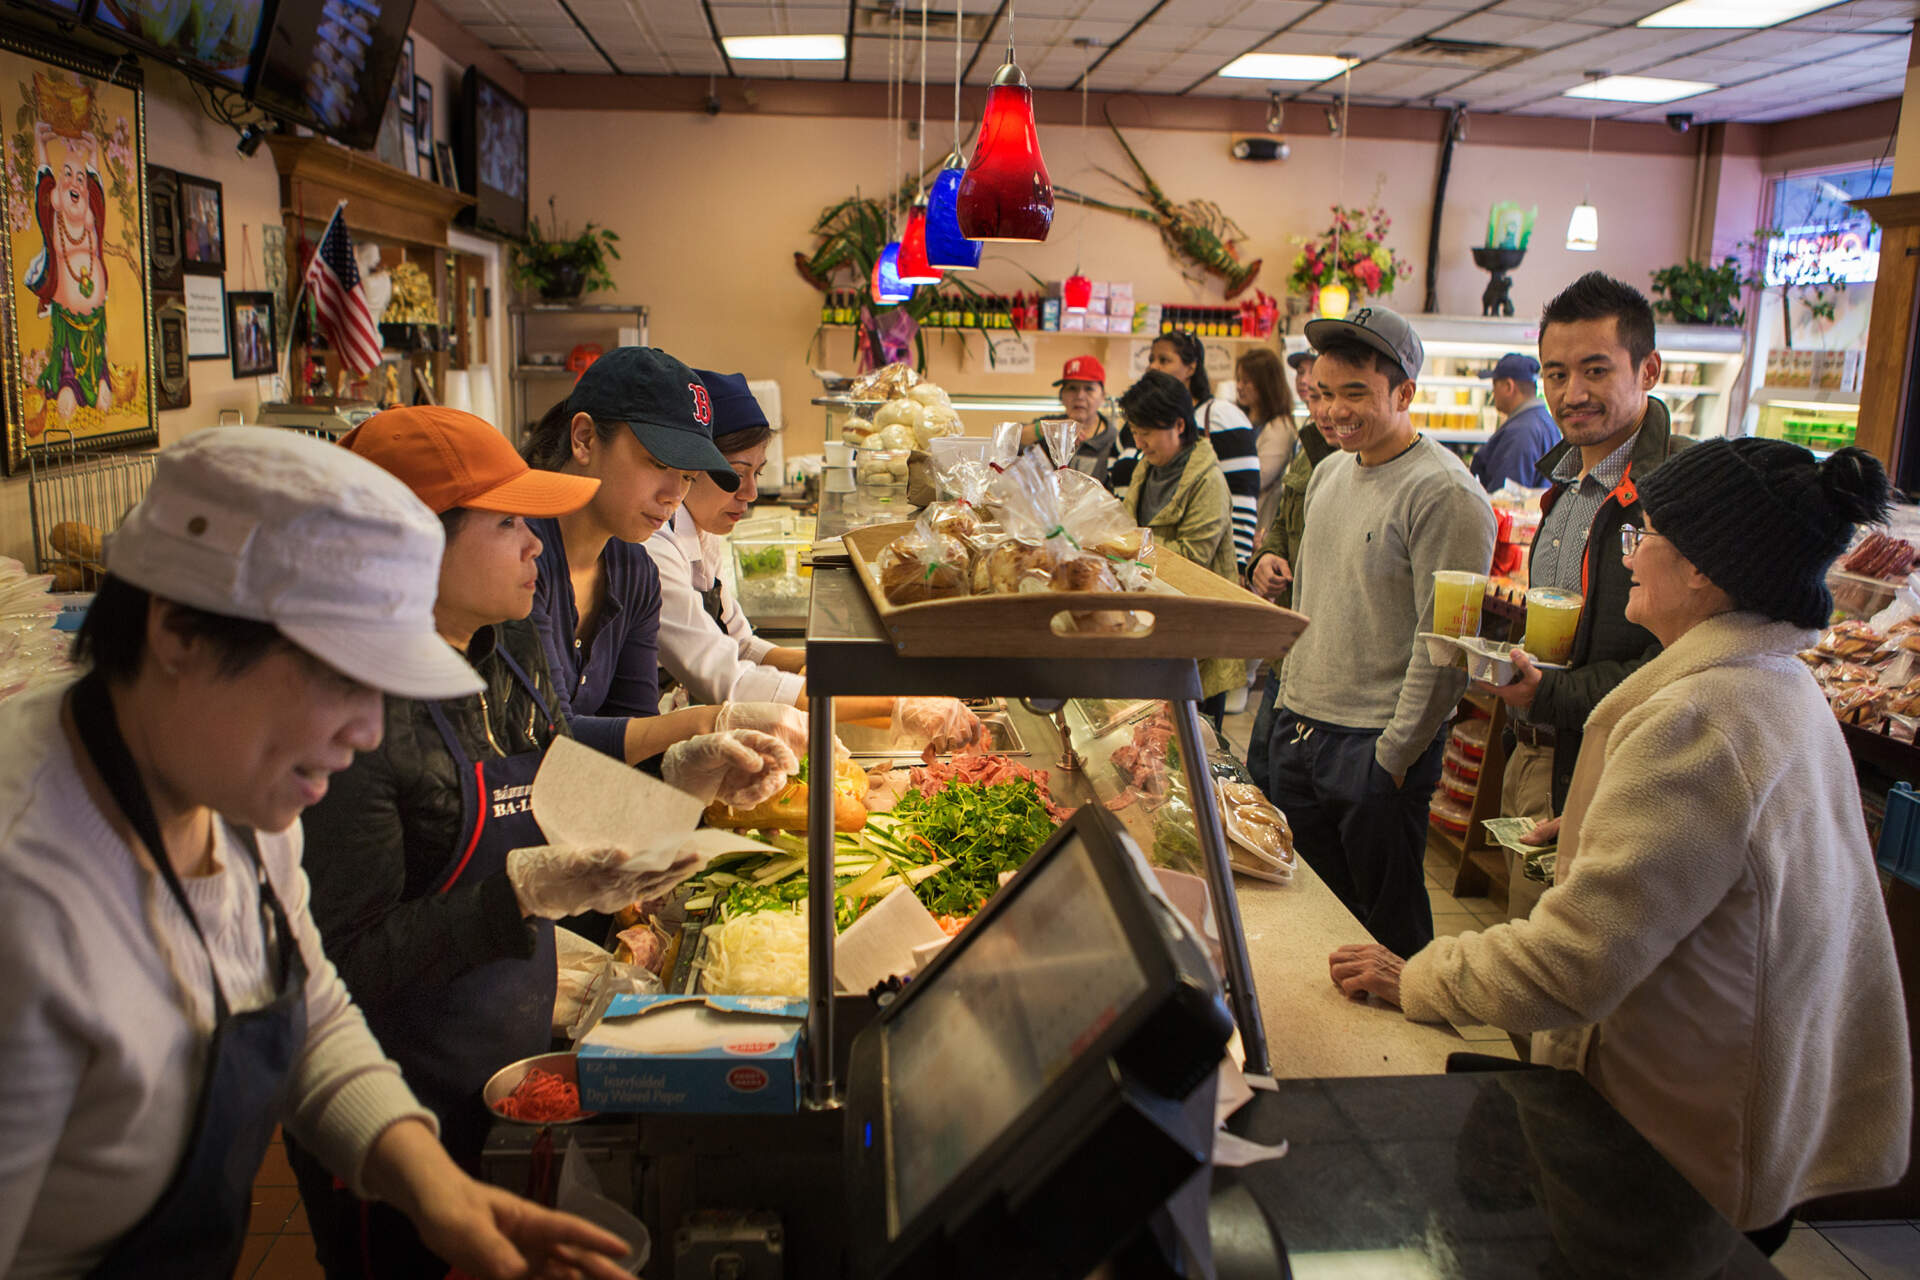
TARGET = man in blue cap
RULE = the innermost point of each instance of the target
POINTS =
(1526, 430)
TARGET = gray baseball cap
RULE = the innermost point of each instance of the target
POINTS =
(1386, 331)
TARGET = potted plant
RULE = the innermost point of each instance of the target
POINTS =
(1352, 253)
(1694, 292)
(562, 267)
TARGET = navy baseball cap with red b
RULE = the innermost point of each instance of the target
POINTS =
(664, 404)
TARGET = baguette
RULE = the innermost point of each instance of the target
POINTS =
(75, 540)
(787, 811)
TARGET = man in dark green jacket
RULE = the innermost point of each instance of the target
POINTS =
(1599, 364)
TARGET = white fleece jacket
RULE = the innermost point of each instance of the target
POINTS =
(1714, 954)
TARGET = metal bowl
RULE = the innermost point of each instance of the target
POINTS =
(508, 1078)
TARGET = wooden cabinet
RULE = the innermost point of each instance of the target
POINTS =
(407, 217)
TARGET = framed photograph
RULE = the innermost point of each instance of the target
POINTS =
(203, 227)
(423, 116)
(76, 332)
(250, 333)
(405, 74)
(206, 301)
(273, 257)
(163, 220)
(443, 166)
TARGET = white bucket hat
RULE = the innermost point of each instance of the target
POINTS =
(337, 553)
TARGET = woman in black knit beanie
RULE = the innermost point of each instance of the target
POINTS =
(1714, 955)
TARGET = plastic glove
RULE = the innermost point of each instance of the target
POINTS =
(740, 768)
(553, 882)
(945, 723)
(789, 724)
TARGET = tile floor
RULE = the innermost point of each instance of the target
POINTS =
(280, 1247)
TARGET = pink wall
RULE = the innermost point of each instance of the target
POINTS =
(712, 209)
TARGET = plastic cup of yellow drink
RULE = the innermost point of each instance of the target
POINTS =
(1553, 615)
(1457, 597)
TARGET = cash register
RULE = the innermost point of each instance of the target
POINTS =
(1021, 1109)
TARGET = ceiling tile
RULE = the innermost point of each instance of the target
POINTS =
(1527, 33)
(783, 21)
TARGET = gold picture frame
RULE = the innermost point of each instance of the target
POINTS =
(76, 332)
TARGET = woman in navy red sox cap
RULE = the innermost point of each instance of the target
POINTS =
(642, 423)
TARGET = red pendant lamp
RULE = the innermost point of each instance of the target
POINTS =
(1006, 193)
(914, 267)
(1077, 292)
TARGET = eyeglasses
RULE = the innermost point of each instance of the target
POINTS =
(1631, 538)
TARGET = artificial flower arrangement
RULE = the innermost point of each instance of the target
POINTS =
(1352, 252)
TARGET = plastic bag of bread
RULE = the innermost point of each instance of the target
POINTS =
(855, 431)
(1862, 704)
(885, 383)
(930, 394)
(1850, 641)
(1091, 573)
(902, 413)
(1061, 436)
(936, 423)
(923, 565)
(1007, 564)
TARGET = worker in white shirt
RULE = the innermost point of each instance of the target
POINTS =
(706, 642)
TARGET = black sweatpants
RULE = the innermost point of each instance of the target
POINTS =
(1364, 838)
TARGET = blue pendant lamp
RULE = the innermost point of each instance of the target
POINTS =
(888, 288)
(947, 249)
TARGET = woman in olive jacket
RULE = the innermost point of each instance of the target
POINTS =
(1179, 492)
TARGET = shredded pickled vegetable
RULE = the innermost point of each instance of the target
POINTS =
(541, 1098)
(760, 954)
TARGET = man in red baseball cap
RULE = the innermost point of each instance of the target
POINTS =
(1083, 392)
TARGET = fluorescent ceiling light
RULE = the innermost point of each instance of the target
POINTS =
(786, 48)
(1742, 14)
(1285, 66)
(1638, 89)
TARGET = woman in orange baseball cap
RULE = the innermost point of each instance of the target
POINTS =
(439, 927)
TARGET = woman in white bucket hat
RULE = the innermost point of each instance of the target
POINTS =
(165, 1000)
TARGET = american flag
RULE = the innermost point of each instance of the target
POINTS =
(341, 301)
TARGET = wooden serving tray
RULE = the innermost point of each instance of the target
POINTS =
(1196, 614)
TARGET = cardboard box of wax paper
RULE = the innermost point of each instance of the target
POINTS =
(701, 1055)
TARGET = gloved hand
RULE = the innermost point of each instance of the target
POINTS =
(739, 768)
(789, 724)
(553, 882)
(945, 723)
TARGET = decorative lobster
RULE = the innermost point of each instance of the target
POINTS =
(1198, 231)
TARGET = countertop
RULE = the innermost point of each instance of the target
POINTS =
(1312, 1030)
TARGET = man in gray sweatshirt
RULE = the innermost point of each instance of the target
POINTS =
(1356, 739)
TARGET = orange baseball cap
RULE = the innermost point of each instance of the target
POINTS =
(453, 459)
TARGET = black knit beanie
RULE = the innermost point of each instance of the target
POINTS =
(1763, 519)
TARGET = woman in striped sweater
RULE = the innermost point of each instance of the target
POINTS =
(1182, 354)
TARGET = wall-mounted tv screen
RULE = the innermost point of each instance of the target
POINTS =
(213, 39)
(74, 9)
(328, 64)
(491, 136)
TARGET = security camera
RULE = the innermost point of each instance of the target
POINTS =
(1255, 147)
(1679, 121)
(250, 139)
(712, 104)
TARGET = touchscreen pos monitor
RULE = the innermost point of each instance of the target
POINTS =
(1016, 1112)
